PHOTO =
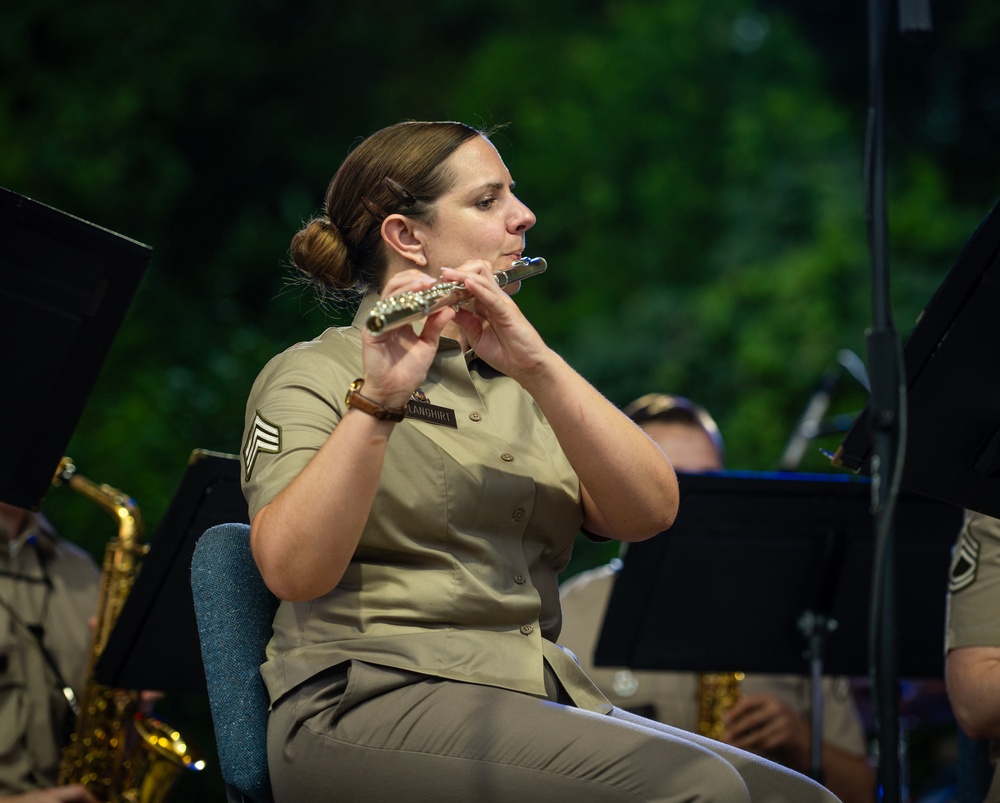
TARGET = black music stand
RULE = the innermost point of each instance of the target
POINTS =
(754, 557)
(65, 287)
(154, 644)
(953, 386)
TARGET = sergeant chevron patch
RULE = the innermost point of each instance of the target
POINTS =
(262, 437)
(964, 562)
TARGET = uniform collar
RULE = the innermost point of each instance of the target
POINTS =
(35, 527)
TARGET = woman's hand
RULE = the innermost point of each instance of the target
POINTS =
(494, 325)
(397, 361)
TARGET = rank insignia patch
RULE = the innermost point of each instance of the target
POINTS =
(263, 437)
(964, 562)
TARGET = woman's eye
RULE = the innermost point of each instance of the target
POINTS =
(486, 203)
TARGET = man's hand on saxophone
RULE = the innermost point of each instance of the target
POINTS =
(763, 724)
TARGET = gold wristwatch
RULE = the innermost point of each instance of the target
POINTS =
(356, 401)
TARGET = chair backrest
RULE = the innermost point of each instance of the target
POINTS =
(234, 611)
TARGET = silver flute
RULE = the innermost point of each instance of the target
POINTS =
(412, 306)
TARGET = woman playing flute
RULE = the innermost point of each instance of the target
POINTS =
(413, 497)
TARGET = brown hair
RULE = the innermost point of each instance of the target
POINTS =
(397, 169)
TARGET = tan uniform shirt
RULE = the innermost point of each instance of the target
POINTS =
(32, 707)
(973, 608)
(672, 697)
(476, 512)
(973, 618)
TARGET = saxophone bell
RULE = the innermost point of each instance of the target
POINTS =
(406, 308)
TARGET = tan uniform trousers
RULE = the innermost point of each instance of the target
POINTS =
(377, 734)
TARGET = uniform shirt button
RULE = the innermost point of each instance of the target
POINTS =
(519, 514)
(625, 683)
(475, 417)
(526, 629)
(507, 457)
(519, 578)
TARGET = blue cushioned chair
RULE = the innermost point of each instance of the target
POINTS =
(974, 770)
(234, 610)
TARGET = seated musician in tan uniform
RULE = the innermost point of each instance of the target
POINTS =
(972, 639)
(48, 592)
(772, 716)
(414, 492)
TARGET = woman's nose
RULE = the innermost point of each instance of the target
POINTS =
(524, 218)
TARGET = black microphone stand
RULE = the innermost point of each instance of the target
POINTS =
(815, 627)
(888, 406)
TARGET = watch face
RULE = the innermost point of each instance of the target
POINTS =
(354, 388)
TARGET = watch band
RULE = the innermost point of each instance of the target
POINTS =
(356, 401)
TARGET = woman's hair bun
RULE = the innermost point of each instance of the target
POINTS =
(319, 252)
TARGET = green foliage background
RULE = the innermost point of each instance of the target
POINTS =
(695, 168)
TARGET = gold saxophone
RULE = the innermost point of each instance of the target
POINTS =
(118, 753)
(717, 692)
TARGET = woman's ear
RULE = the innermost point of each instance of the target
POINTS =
(405, 236)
